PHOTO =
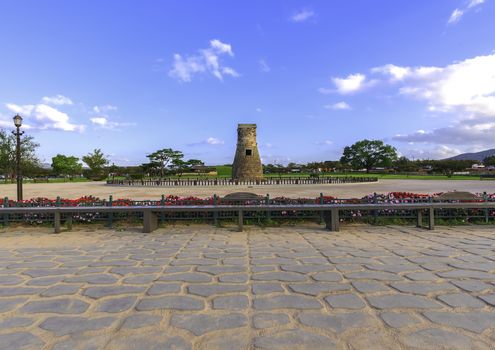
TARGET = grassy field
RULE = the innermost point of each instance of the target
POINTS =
(413, 177)
(225, 173)
(50, 180)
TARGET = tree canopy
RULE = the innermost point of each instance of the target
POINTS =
(163, 157)
(366, 154)
(66, 165)
(29, 160)
(96, 161)
(489, 161)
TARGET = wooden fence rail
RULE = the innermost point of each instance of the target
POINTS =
(330, 212)
(231, 182)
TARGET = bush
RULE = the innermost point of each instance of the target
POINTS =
(136, 176)
(99, 175)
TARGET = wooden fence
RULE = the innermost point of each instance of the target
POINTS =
(231, 182)
(330, 213)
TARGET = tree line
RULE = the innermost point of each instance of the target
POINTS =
(367, 155)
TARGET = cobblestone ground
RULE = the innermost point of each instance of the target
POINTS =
(199, 287)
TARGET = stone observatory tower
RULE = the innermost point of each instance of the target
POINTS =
(247, 163)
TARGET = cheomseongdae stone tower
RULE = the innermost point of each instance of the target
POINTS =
(247, 162)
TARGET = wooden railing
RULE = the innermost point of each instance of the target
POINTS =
(231, 182)
(329, 212)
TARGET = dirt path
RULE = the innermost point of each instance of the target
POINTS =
(100, 189)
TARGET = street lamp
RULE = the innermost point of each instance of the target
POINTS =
(18, 133)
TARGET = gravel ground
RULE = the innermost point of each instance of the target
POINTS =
(100, 189)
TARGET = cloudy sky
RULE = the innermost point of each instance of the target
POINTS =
(131, 77)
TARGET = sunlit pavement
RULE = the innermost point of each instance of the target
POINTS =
(199, 287)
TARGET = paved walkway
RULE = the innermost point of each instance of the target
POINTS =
(197, 287)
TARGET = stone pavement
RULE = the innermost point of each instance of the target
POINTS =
(198, 287)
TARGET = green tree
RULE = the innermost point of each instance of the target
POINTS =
(404, 165)
(30, 164)
(331, 165)
(194, 162)
(66, 165)
(368, 154)
(114, 170)
(449, 166)
(162, 158)
(180, 166)
(96, 162)
(489, 161)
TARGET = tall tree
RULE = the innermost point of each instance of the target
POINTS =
(29, 160)
(96, 162)
(405, 165)
(180, 166)
(163, 157)
(368, 154)
(66, 165)
(489, 161)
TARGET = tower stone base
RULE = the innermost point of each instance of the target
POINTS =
(247, 162)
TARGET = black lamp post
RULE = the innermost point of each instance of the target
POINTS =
(18, 133)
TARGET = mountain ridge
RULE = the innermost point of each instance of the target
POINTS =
(478, 156)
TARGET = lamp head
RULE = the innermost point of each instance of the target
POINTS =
(17, 120)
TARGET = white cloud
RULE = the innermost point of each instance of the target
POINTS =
(324, 143)
(457, 14)
(439, 152)
(458, 134)
(57, 100)
(44, 117)
(264, 67)
(464, 89)
(205, 61)
(467, 86)
(105, 123)
(396, 72)
(230, 71)
(339, 106)
(350, 84)
(22, 110)
(102, 121)
(302, 16)
(184, 69)
(221, 47)
(104, 109)
(258, 110)
(474, 3)
(214, 141)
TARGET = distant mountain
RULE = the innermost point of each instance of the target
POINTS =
(478, 156)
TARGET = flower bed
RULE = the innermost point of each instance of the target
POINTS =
(346, 215)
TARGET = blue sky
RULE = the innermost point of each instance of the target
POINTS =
(131, 77)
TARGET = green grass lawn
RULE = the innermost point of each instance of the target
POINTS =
(225, 172)
(51, 181)
(413, 177)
